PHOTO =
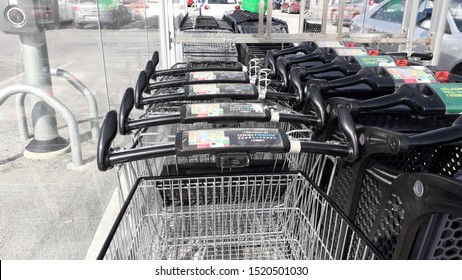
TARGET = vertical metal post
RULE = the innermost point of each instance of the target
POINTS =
(301, 16)
(261, 13)
(269, 19)
(409, 23)
(164, 29)
(341, 15)
(325, 12)
(437, 27)
(46, 140)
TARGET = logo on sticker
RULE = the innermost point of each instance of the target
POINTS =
(413, 74)
(350, 51)
(204, 139)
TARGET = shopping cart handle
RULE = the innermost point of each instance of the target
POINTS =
(155, 60)
(348, 128)
(126, 106)
(331, 107)
(423, 56)
(141, 85)
(314, 98)
(149, 68)
(438, 137)
(107, 134)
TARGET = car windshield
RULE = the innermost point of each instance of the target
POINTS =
(455, 8)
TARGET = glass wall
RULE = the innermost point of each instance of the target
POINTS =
(51, 208)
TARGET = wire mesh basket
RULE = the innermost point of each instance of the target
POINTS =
(256, 216)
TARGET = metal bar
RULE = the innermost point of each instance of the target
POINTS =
(269, 19)
(164, 30)
(260, 16)
(341, 15)
(437, 27)
(301, 16)
(21, 117)
(58, 106)
(296, 38)
(409, 22)
(76, 83)
(325, 14)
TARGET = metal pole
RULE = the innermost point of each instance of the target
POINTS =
(269, 19)
(82, 88)
(261, 13)
(46, 142)
(437, 27)
(55, 104)
(409, 23)
(325, 15)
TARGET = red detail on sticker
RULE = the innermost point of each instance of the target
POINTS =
(350, 45)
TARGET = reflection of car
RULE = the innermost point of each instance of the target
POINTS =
(290, 6)
(112, 15)
(387, 18)
(277, 4)
(217, 8)
(352, 9)
(136, 7)
(66, 12)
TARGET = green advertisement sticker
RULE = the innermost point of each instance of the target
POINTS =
(451, 95)
(374, 61)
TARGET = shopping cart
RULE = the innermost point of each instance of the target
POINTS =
(343, 66)
(277, 215)
(214, 28)
(404, 191)
(181, 69)
(230, 87)
(411, 108)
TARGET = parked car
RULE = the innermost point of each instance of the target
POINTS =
(217, 8)
(113, 15)
(352, 9)
(291, 6)
(277, 4)
(387, 18)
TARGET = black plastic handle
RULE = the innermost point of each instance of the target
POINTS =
(141, 84)
(423, 56)
(106, 136)
(149, 69)
(437, 137)
(348, 127)
(273, 55)
(296, 81)
(314, 98)
(126, 106)
(155, 60)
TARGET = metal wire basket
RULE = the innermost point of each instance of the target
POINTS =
(256, 216)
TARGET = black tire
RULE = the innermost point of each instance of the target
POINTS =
(79, 25)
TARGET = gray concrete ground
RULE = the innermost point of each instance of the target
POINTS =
(49, 211)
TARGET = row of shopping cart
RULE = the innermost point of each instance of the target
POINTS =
(322, 151)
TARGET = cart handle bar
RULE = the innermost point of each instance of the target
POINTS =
(107, 157)
(126, 125)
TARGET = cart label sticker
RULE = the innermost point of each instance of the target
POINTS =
(205, 139)
(374, 61)
(225, 110)
(351, 52)
(411, 74)
(329, 44)
(451, 95)
(216, 89)
(234, 138)
(218, 76)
